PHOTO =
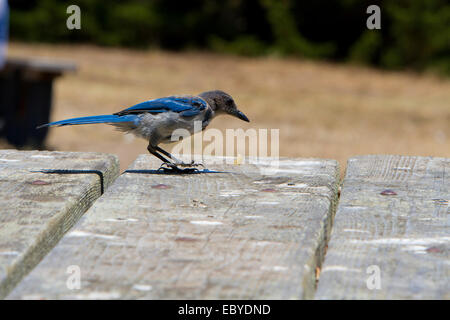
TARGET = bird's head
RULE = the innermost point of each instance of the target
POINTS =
(222, 103)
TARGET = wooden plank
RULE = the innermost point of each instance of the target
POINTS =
(38, 208)
(393, 214)
(240, 234)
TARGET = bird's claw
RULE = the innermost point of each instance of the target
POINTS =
(190, 165)
(167, 165)
(172, 167)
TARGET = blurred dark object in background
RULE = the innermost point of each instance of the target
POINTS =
(26, 87)
(414, 34)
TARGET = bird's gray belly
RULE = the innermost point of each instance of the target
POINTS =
(165, 127)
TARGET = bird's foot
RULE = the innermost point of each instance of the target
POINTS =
(168, 165)
(175, 168)
(192, 164)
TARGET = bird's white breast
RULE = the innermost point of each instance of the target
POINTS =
(168, 126)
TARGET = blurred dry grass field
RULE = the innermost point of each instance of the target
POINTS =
(322, 110)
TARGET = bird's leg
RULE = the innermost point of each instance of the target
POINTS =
(178, 162)
(154, 152)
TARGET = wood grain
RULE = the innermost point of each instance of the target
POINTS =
(393, 213)
(239, 234)
(38, 208)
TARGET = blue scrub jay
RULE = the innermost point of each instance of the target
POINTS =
(155, 120)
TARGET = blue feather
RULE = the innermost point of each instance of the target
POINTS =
(93, 119)
(188, 106)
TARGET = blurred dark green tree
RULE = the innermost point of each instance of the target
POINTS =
(414, 34)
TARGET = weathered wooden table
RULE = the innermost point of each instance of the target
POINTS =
(37, 208)
(391, 235)
(240, 233)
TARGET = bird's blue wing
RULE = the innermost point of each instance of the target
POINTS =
(187, 106)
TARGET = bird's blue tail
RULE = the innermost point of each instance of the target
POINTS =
(94, 119)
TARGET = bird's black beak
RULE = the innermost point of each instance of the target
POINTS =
(241, 116)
